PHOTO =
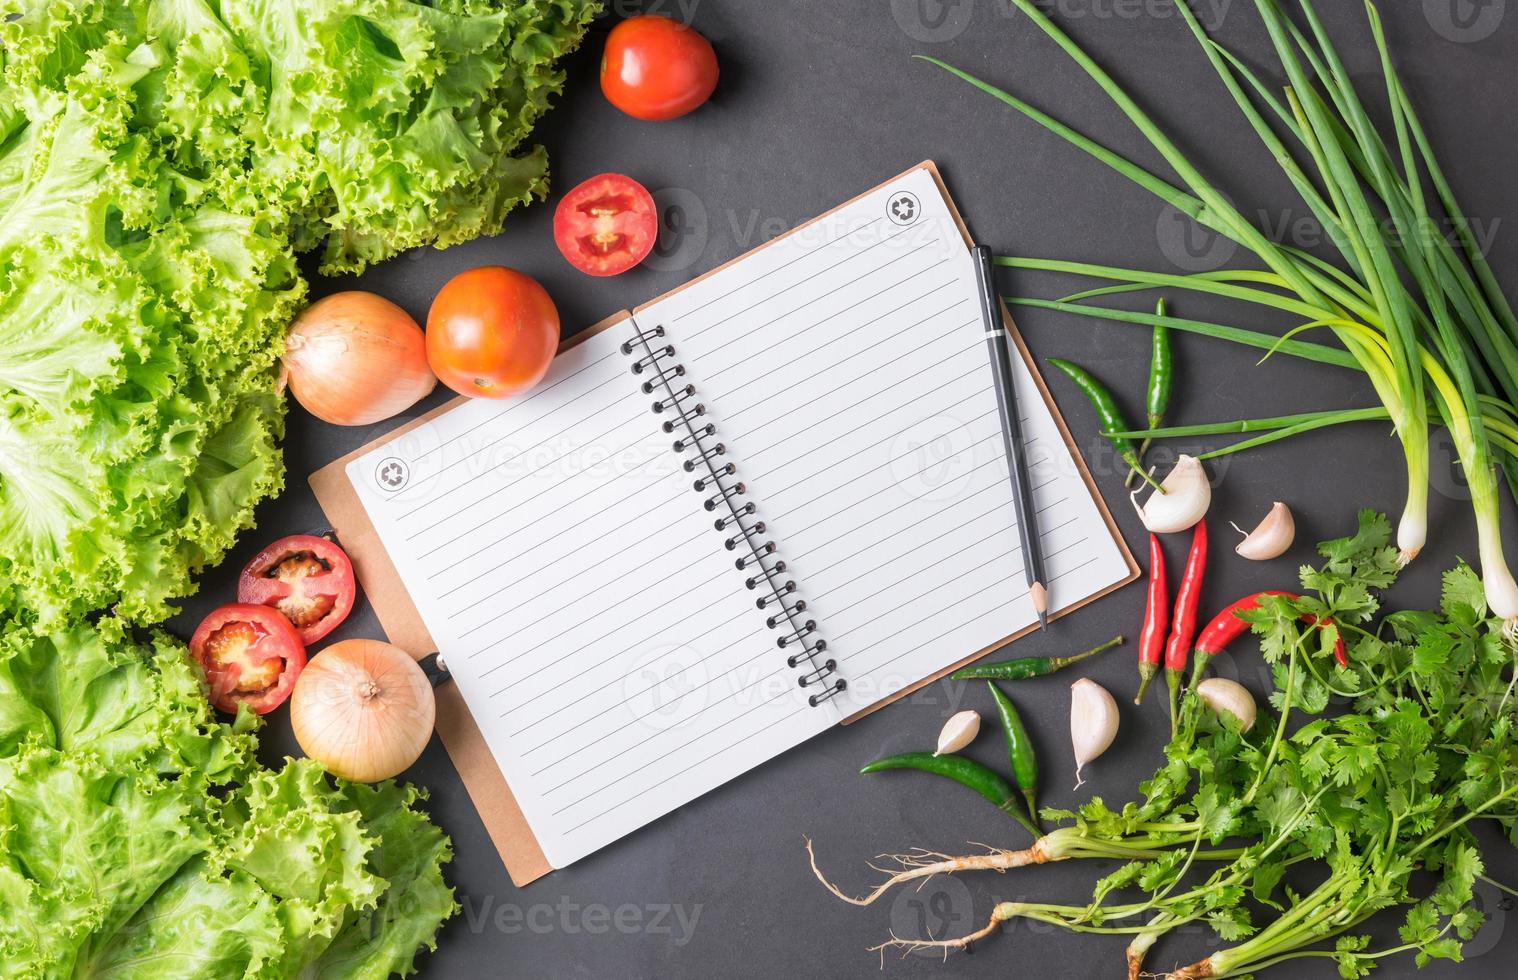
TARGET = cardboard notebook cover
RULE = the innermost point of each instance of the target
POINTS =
(403, 624)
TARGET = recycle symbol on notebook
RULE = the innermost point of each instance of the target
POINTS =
(903, 208)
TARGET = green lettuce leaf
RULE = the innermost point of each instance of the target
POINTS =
(199, 924)
(139, 837)
(298, 841)
(382, 940)
(85, 848)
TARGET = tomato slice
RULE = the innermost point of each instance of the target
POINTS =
(606, 225)
(306, 578)
(250, 655)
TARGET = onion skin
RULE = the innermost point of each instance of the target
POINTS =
(355, 358)
(365, 712)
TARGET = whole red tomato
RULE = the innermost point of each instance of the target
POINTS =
(491, 332)
(655, 68)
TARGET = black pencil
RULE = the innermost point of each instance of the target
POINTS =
(1011, 430)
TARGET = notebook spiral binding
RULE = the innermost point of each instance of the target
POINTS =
(703, 452)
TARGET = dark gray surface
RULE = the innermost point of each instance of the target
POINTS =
(819, 101)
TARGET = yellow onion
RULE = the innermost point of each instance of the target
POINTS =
(363, 709)
(355, 358)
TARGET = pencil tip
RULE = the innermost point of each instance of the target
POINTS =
(1043, 620)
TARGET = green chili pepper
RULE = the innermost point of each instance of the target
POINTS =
(965, 772)
(1018, 670)
(1107, 412)
(1161, 378)
(1019, 750)
(1161, 372)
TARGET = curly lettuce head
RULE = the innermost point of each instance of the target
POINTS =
(160, 165)
(138, 416)
(374, 126)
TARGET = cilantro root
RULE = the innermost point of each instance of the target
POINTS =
(1004, 912)
(1357, 799)
(1060, 845)
(921, 865)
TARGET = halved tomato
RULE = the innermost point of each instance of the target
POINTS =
(250, 654)
(606, 225)
(308, 579)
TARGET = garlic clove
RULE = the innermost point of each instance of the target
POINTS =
(1227, 697)
(1093, 723)
(1188, 494)
(1271, 537)
(958, 732)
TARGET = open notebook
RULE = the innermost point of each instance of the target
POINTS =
(752, 509)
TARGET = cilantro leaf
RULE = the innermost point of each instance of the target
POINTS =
(1462, 593)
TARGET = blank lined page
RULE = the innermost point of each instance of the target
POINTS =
(846, 367)
(583, 601)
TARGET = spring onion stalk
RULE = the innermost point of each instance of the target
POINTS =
(1332, 417)
(1422, 317)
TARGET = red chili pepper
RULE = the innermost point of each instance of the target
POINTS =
(1226, 627)
(1156, 619)
(1341, 656)
(1183, 623)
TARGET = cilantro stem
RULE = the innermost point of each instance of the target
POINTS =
(1328, 683)
(1185, 867)
(1508, 694)
(1332, 954)
(1286, 701)
(1284, 934)
(1078, 927)
(1295, 822)
(1498, 885)
(1467, 818)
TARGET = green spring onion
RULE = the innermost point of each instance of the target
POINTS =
(1422, 317)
